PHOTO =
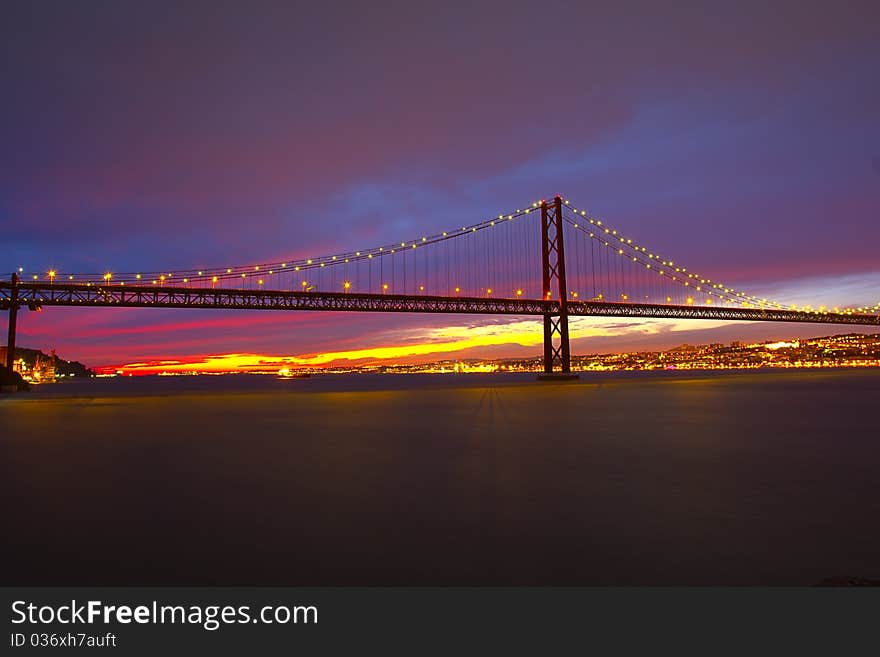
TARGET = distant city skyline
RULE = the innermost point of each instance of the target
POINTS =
(265, 363)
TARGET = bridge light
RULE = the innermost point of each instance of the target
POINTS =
(414, 246)
(308, 262)
(107, 276)
(369, 255)
(305, 283)
(20, 269)
(322, 264)
(154, 282)
(51, 274)
(260, 282)
(668, 299)
(690, 300)
(271, 272)
(425, 239)
(35, 277)
(296, 268)
(70, 278)
(243, 275)
(186, 280)
(708, 302)
(519, 293)
(257, 268)
(228, 271)
(283, 265)
(346, 285)
(213, 281)
(384, 286)
(574, 294)
(200, 273)
(138, 276)
(457, 290)
(444, 234)
(334, 257)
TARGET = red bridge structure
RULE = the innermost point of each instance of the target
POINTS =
(586, 268)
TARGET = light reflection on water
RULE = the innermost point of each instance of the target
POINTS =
(658, 478)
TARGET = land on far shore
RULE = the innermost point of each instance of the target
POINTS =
(846, 350)
(35, 366)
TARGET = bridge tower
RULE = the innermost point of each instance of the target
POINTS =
(556, 349)
(13, 313)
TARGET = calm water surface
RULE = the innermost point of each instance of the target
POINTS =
(665, 478)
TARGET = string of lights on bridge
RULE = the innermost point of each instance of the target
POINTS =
(700, 289)
(626, 248)
(216, 274)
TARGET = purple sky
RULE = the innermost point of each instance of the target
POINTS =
(741, 138)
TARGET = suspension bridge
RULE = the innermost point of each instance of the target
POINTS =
(550, 260)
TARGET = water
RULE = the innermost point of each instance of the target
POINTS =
(620, 478)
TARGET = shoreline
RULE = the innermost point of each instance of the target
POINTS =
(268, 384)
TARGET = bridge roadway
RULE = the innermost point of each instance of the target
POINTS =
(34, 295)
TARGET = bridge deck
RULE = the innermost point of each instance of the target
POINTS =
(117, 296)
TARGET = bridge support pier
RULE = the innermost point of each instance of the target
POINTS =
(556, 347)
(13, 316)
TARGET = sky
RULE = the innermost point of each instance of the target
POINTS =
(742, 136)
